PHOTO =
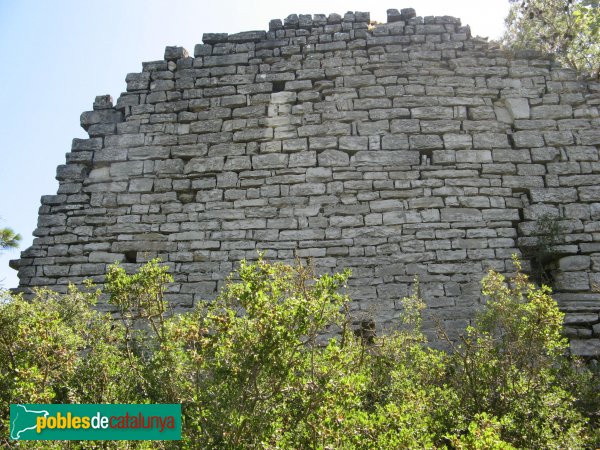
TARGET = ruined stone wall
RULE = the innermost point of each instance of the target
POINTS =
(398, 150)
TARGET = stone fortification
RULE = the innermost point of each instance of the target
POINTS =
(398, 150)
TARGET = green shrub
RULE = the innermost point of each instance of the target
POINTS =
(274, 362)
(512, 364)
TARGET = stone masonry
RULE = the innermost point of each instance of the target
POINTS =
(400, 150)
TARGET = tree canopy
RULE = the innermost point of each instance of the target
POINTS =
(9, 239)
(569, 29)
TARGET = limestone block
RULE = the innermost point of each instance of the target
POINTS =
(269, 161)
(253, 134)
(443, 157)
(528, 139)
(214, 38)
(572, 281)
(461, 215)
(585, 347)
(358, 81)
(175, 53)
(225, 60)
(371, 103)
(104, 116)
(588, 137)
(545, 112)
(432, 112)
(518, 108)
(473, 156)
(247, 36)
(516, 156)
(315, 174)
(581, 319)
(554, 195)
(126, 169)
(390, 157)
(138, 81)
(71, 172)
(394, 142)
(329, 158)
(105, 257)
(303, 159)
(440, 126)
(283, 97)
(327, 129)
(490, 140)
(353, 143)
(373, 128)
(457, 141)
(200, 165)
(86, 144)
(295, 145)
(425, 141)
(405, 126)
(589, 193)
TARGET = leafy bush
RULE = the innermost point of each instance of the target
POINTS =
(512, 364)
(274, 362)
(569, 29)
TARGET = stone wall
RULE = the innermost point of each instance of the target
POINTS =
(398, 150)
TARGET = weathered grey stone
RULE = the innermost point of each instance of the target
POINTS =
(397, 149)
(528, 139)
(71, 172)
(518, 108)
(329, 158)
(457, 141)
(353, 143)
(270, 161)
(490, 140)
(552, 112)
(391, 157)
(225, 60)
(574, 263)
(589, 193)
(473, 156)
(554, 195)
(432, 112)
(395, 142)
(247, 36)
(175, 53)
(256, 134)
(104, 116)
(461, 215)
(214, 38)
(200, 165)
(425, 141)
(585, 347)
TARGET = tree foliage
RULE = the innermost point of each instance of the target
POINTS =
(569, 29)
(9, 239)
(274, 362)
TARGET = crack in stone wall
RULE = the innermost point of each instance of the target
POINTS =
(399, 150)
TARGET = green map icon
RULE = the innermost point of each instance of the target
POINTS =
(23, 420)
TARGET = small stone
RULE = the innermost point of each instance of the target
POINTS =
(393, 15)
(103, 102)
(275, 24)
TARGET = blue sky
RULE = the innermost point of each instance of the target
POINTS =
(58, 55)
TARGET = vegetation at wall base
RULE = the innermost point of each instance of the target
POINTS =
(274, 362)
